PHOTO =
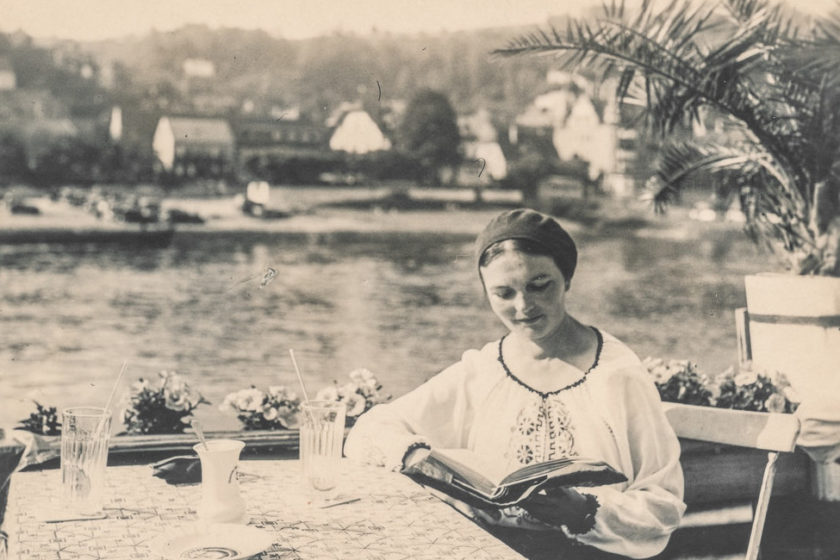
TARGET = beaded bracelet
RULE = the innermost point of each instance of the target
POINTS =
(585, 523)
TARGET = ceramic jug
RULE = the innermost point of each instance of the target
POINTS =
(221, 501)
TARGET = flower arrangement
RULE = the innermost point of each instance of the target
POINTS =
(360, 394)
(44, 421)
(680, 381)
(258, 410)
(163, 407)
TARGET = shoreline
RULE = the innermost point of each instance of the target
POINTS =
(60, 222)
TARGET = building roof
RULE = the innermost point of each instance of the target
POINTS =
(201, 130)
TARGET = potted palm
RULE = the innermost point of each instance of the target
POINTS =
(769, 78)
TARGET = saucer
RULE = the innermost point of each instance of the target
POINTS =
(213, 541)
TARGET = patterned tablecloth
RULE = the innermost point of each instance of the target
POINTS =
(392, 519)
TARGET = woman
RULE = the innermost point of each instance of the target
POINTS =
(552, 387)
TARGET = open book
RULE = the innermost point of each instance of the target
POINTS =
(463, 474)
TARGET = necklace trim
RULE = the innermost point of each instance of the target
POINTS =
(560, 390)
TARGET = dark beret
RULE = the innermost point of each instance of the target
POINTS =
(524, 223)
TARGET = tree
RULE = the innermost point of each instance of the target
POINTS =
(773, 84)
(429, 134)
(13, 162)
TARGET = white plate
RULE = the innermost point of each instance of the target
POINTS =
(214, 541)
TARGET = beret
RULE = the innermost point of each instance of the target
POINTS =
(524, 223)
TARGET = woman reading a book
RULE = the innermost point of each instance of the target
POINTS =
(551, 388)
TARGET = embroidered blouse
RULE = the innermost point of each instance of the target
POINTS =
(611, 412)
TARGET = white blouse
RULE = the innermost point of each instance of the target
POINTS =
(611, 412)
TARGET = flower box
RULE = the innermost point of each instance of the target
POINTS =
(725, 471)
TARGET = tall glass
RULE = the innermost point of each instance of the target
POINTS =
(84, 454)
(321, 440)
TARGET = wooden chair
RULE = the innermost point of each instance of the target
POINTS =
(775, 433)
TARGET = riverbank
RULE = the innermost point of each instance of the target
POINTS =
(335, 210)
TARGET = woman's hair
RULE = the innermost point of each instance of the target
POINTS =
(525, 246)
(529, 232)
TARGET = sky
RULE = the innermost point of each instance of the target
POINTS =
(292, 19)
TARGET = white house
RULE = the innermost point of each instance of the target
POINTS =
(584, 135)
(484, 160)
(179, 137)
(357, 133)
(199, 68)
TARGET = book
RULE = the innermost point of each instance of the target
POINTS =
(464, 475)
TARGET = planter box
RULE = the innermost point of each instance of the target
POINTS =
(724, 452)
(716, 473)
(126, 448)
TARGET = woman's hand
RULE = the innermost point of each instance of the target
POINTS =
(415, 457)
(563, 506)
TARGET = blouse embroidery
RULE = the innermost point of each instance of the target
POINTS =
(572, 385)
(543, 430)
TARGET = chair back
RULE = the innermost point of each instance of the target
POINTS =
(757, 430)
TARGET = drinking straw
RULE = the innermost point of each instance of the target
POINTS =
(116, 385)
(302, 386)
(299, 376)
(110, 399)
(196, 425)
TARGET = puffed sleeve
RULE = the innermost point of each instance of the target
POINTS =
(438, 413)
(637, 520)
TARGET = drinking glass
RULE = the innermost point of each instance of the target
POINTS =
(321, 439)
(84, 453)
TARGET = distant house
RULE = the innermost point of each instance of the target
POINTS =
(574, 125)
(484, 160)
(357, 133)
(583, 134)
(8, 78)
(264, 138)
(115, 124)
(186, 139)
(199, 68)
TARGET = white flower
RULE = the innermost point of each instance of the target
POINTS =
(355, 405)
(662, 375)
(139, 386)
(791, 394)
(269, 413)
(288, 416)
(328, 393)
(228, 404)
(780, 380)
(746, 378)
(249, 400)
(775, 403)
(176, 401)
(347, 390)
(281, 393)
(361, 375)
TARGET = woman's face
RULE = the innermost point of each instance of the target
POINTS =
(526, 292)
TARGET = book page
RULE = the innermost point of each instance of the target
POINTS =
(471, 467)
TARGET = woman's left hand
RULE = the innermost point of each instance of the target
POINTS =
(559, 506)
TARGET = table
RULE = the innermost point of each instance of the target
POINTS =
(393, 519)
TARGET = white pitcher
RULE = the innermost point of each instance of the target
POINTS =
(221, 501)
